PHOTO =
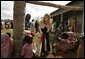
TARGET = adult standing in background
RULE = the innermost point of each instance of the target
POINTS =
(28, 24)
(45, 26)
(28, 27)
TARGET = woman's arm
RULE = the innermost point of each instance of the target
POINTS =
(49, 27)
(40, 30)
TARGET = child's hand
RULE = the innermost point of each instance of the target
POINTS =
(32, 33)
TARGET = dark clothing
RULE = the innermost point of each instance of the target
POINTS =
(27, 39)
(45, 36)
(27, 25)
(27, 21)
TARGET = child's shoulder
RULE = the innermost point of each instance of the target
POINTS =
(25, 45)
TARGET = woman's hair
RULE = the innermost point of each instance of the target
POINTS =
(27, 39)
(48, 21)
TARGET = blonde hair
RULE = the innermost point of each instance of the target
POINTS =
(43, 20)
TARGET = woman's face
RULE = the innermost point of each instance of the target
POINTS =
(2, 26)
(8, 26)
(70, 28)
(46, 18)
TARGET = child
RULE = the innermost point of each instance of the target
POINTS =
(37, 39)
(37, 42)
(26, 50)
(68, 41)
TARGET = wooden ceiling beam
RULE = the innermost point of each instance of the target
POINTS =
(56, 5)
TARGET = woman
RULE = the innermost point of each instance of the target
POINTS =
(45, 26)
(7, 29)
(29, 25)
(6, 46)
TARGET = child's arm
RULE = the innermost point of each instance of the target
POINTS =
(29, 33)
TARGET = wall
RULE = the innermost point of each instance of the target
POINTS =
(79, 18)
(77, 3)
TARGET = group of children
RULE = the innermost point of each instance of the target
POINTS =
(31, 42)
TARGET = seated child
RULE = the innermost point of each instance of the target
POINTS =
(67, 42)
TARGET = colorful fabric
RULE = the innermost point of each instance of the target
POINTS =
(6, 46)
(37, 41)
(68, 43)
(72, 38)
(65, 46)
(7, 31)
(26, 51)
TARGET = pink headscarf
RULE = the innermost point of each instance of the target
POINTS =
(4, 38)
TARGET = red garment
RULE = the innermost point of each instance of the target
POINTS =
(6, 47)
(65, 46)
(42, 37)
(29, 33)
(26, 51)
(69, 43)
(32, 33)
(72, 38)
